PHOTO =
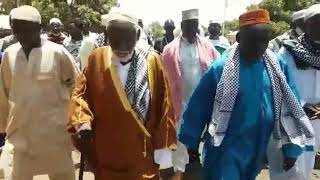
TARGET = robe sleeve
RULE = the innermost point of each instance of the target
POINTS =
(288, 73)
(165, 133)
(291, 150)
(199, 110)
(170, 66)
(5, 84)
(69, 70)
(80, 112)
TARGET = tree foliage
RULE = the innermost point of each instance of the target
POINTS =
(156, 29)
(280, 14)
(231, 26)
(87, 10)
(279, 28)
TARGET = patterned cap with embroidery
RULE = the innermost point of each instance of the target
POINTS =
(252, 17)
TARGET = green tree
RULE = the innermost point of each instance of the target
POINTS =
(280, 14)
(279, 28)
(156, 29)
(281, 11)
(87, 10)
(295, 5)
(231, 26)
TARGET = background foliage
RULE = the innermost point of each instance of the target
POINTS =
(156, 29)
(88, 10)
(280, 13)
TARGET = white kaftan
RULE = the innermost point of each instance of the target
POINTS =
(191, 75)
(308, 85)
(34, 97)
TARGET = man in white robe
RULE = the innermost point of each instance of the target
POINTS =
(186, 59)
(36, 81)
(296, 30)
(216, 37)
(303, 57)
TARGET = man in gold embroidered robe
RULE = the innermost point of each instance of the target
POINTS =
(123, 98)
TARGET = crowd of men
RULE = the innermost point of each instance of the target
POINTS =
(139, 112)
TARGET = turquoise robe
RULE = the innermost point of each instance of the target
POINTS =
(243, 150)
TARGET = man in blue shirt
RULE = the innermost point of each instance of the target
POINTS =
(245, 98)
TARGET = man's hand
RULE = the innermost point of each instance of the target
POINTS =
(85, 136)
(193, 156)
(312, 111)
(166, 174)
(288, 163)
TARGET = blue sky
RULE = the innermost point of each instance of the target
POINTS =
(152, 10)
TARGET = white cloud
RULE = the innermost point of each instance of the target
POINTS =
(160, 10)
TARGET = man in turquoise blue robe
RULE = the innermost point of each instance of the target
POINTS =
(242, 152)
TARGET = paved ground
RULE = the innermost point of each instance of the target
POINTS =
(89, 176)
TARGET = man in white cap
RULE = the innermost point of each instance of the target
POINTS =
(303, 57)
(144, 40)
(8, 40)
(37, 78)
(186, 59)
(123, 99)
(296, 29)
(56, 35)
(216, 38)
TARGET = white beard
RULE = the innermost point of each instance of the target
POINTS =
(124, 59)
(299, 31)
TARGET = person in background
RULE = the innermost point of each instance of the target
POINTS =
(5, 36)
(7, 41)
(87, 34)
(186, 59)
(168, 36)
(303, 57)
(123, 99)
(246, 97)
(140, 23)
(37, 78)
(144, 40)
(55, 34)
(296, 30)
(216, 38)
(74, 29)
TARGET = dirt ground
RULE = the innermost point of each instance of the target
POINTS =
(263, 176)
(89, 176)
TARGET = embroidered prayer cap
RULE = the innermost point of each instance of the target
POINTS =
(312, 11)
(55, 20)
(190, 14)
(26, 13)
(118, 15)
(215, 21)
(298, 15)
(252, 17)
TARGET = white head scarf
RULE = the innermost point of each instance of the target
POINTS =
(312, 11)
(55, 20)
(298, 15)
